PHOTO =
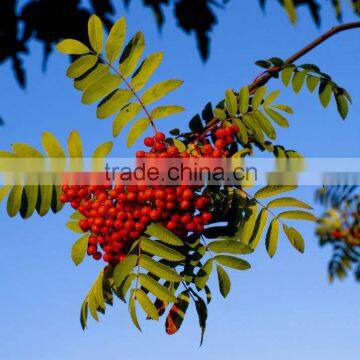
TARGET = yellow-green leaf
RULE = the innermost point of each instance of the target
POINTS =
(295, 238)
(124, 268)
(248, 224)
(244, 100)
(147, 304)
(160, 291)
(145, 71)
(14, 200)
(96, 33)
(258, 97)
(73, 47)
(159, 90)
(232, 262)
(325, 95)
(100, 88)
(160, 250)
(91, 76)
(159, 269)
(164, 111)
(132, 54)
(224, 281)
(231, 103)
(137, 130)
(259, 228)
(288, 201)
(265, 124)
(297, 215)
(132, 309)
(163, 234)
(125, 116)
(272, 190)
(81, 65)
(114, 102)
(272, 237)
(79, 249)
(115, 40)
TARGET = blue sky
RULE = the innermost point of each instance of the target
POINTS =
(280, 309)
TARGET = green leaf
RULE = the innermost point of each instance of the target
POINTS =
(203, 274)
(284, 108)
(98, 290)
(96, 33)
(242, 134)
(103, 150)
(265, 124)
(248, 223)
(159, 269)
(295, 238)
(272, 190)
(74, 226)
(312, 82)
(224, 281)
(124, 268)
(31, 193)
(259, 228)
(258, 97)
(164, 111)
(147, 304)
(100, 88)
(163, 234)
(137, 130)
(231, 102)
(145, 71)
(79, 249)
(290, 10)
(180, 145)
(286, 74)
(156, 289)
(297, 215)
(81, 66)
(157, 249)
(278, 118)
(4, 190)
(229, 246)
(132, 54)
(159, 90)
(342, 106)
(75, 147)
(271, 98)
(93, 305)
(250, 121)
(232, 262)
(115, 40)
(84, 314)
(202, 312)
(132, 309)
(52, 146)
(325, 94)
(220, 114)
(272, 237)
(90, 77)
(113, 103)
(72, 47)
(77, 216)
(288, 201)
(14, 200)
(125, 116)
(298, 81)
(244, 100)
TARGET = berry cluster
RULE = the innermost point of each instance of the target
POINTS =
(224, 136)
(118, 215)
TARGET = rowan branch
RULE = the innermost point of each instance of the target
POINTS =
(263, 78)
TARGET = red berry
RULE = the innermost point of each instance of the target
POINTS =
(159, 136)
